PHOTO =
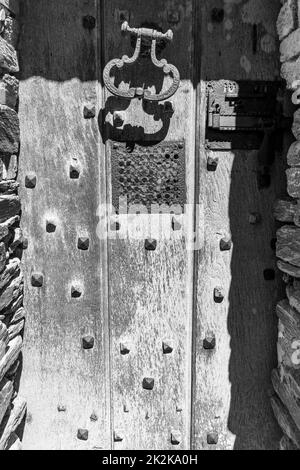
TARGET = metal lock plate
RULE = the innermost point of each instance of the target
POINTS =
(239, 112)
(149, 175)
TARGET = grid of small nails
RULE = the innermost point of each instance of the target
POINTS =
(149, 175)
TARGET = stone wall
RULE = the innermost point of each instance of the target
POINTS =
(286, 379)
(12, 315)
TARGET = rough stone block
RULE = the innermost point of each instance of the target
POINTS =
(15, 418)
(6, 391)
(9, 89)
(296, 124)
(288, 243)
(11, 356)
(12, 269)
(290, 72)
(8, 167)
(293, 157)
(11, 31)
(11, 5)
(287, 389)
(285, 211)
(290, 46)
(285, 421)
(293, 182)
(8, 57)
(9, 131)
(289, 269)
(10, 206)
(287, 19)
(11, 292)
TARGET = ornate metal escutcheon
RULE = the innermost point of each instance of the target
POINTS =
(168, 69)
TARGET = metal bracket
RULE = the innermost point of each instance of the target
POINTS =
(238, 113)
(168, 69)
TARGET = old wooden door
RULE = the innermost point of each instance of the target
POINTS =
(151, 337)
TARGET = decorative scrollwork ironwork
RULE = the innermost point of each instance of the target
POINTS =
(168, 69)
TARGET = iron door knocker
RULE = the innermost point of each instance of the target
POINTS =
(168, 69)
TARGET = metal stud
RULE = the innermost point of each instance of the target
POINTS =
(83, 434)
(50, 226)
(226, 244)
(218, 295)
(88, 342)
(212, 163)
(175, 438)
(254, 218)
(89, 22)
(217, 15)
(209, 342)
(76, 292)
(167, 348)
(89, 111)
(173, 16)
(212, 438)
(30, 181)
(150, 244)
(37, 280)
(94, 418)
(148, 383)
(176, 226)
(83, 243)
(118, 436)
(124, 349)
(61, 408)
(126, 408)
(74, 172)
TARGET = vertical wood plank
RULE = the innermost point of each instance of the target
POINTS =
(65, 384)
(231, 404)
(151, 292)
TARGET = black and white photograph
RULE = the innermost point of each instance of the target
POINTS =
(149, 228)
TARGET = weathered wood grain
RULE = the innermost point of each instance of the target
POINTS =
(232, 49)
(232, 381)
(60, 74)
(151, 292)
